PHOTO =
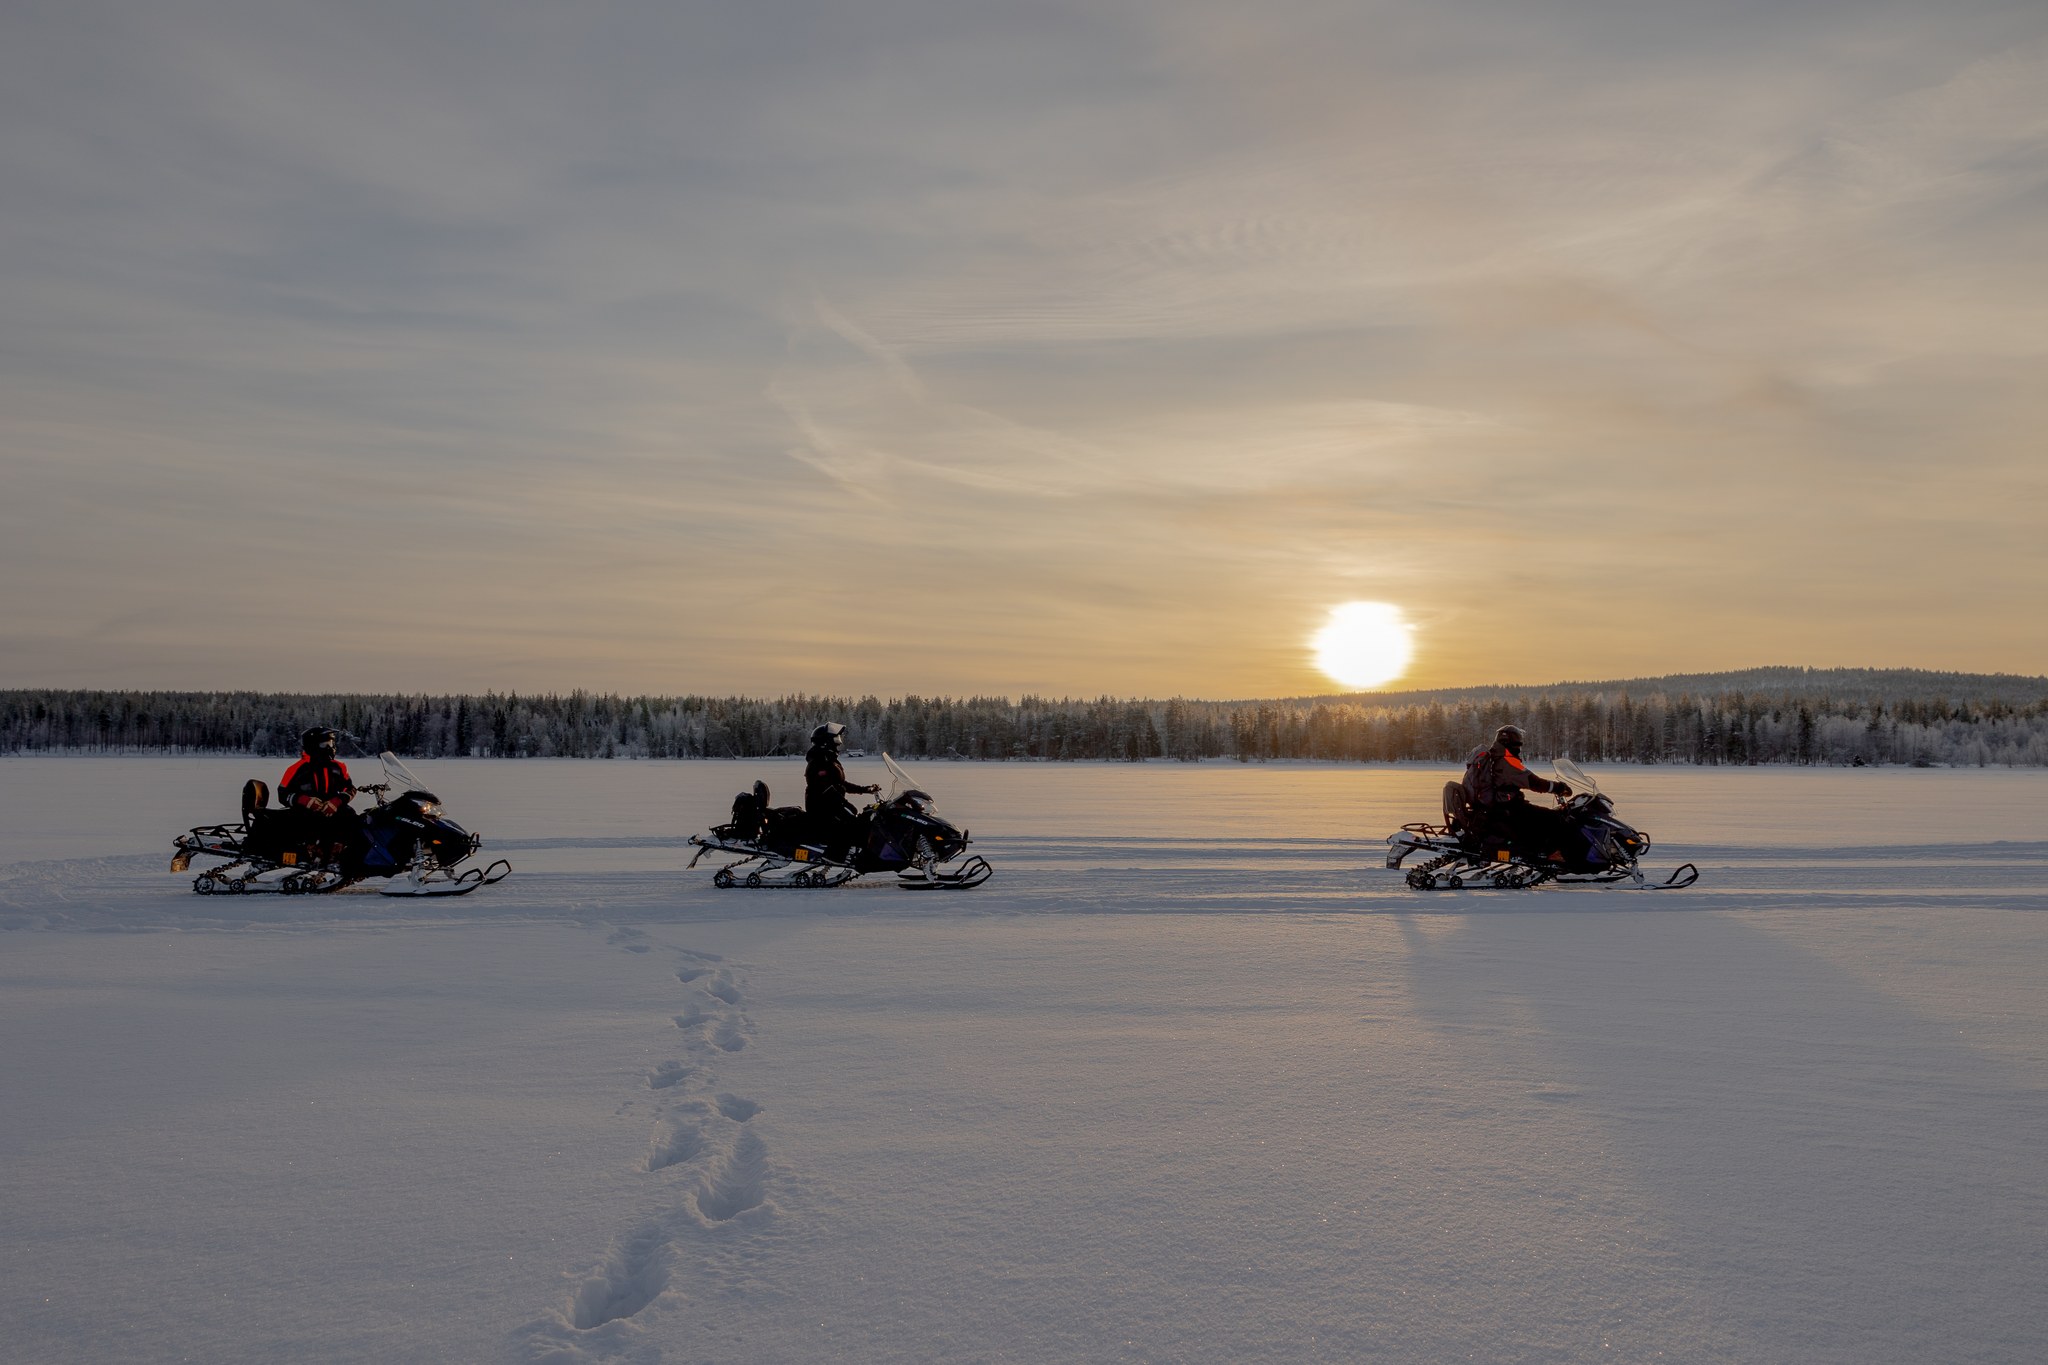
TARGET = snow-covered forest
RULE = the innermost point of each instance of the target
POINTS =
(1779, 716)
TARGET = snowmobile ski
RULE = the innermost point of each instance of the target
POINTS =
(441, 881)
(966, 877)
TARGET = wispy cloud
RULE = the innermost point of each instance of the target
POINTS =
(1091, 348)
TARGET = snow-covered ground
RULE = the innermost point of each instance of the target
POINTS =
(1193, 1078)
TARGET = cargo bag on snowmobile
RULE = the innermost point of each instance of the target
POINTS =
(749, 815)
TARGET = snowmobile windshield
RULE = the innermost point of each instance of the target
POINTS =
(902, 786)
(1575, 777)
(398, 776)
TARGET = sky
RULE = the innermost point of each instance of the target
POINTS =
(949, 347)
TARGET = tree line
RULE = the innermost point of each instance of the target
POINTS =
(1594, 723)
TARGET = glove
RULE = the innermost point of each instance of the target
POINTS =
(1563, 790)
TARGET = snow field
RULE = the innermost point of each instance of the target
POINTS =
(1192, 1079)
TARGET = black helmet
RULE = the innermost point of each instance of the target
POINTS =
(829, 735)
(321, 741)
(1511, 738)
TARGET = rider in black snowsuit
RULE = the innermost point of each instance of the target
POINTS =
(834, 822)
(1495, 778)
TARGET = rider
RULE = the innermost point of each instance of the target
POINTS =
(318, 788)
(1496, 777)
(825, 787)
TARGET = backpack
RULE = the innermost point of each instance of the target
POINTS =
(1479, 774)
(749, 813)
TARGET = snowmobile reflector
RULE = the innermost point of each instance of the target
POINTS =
(291, 859)
(1501, 855)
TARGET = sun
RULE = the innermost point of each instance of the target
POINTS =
(1365, 644)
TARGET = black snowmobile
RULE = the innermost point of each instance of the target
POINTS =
(1596, 846)
(903, 834)
(405, 840)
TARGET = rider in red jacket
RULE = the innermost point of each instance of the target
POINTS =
(318, 783)
(316, 790)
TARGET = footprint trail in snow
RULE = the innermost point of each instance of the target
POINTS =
(707, 1174)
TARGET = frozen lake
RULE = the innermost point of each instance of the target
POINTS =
(1194, 1078)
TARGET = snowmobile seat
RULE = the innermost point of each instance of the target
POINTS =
(786, 827)
(1470, 824)
(267, 830)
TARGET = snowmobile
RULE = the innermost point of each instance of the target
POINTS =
(1597, 847)
(903, 834)
(404, 839)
